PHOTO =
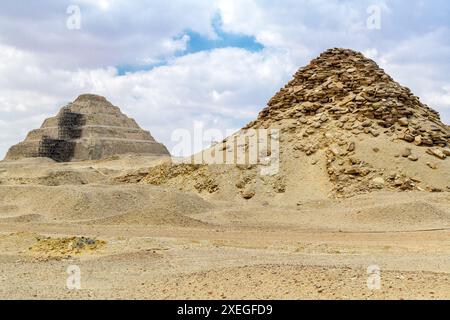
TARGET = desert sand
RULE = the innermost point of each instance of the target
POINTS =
(362, 190)
(159, 243)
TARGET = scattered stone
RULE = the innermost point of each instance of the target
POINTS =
(360, 98)
(413, 158)
(351, 147)
(374, 133)
(418, 140)
(367, 124)
(378, 181)
(248, 193)
(407, 184)
(432, 165)
(406, 152)
(409, 138)
(437, 153)
(403, 122)
(335, 150)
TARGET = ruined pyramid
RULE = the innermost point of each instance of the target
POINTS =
(344, 86)
(90, 128)
(346, 127)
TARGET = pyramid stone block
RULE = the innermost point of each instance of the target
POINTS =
(90, 128)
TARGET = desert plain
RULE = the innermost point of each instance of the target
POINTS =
(158, 243)
(358, 206)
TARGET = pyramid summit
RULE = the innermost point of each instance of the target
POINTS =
(344, 86)
(345, 108)
(345, 128)
(89, 128)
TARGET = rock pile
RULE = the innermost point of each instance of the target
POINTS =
(339, 98)
(346, 128)
(343, 86)
(90, 128)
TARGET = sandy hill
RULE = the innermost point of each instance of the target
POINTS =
(346, 127)
(89, 128)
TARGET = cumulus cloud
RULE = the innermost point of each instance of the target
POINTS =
(112, 32)
(412, 44)
(223, 88)
(44, 65)
(421, 63)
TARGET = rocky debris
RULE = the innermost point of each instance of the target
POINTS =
(200, 178)
(330, 112)
(61, 248)
(438, 153)
(432, 165)
(418, 140)
(248, 193)
(89, 128)
(403, 122)
(207, 184)
(406, 152)
(133, 177)
(342, 91)
(365, 100)
(378, 181)
(351, 147)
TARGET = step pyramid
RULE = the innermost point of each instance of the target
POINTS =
(90, 128)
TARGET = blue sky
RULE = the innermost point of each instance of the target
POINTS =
(170, 63)
(197, 42)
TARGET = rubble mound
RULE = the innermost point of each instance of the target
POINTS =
(90, 128)
(352, 92)
(343, 101)
(346, 127)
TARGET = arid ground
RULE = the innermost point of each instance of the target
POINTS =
(156, 243)
(349, 199)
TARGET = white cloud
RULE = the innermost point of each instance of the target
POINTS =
(43, 65)
(413, 44)
(113, 32)
(421, 63)
(224, 88)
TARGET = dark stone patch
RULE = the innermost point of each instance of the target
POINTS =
(63, 148)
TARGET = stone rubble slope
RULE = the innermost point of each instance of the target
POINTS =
(352, 91)
(346, 128)
(341, 98)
